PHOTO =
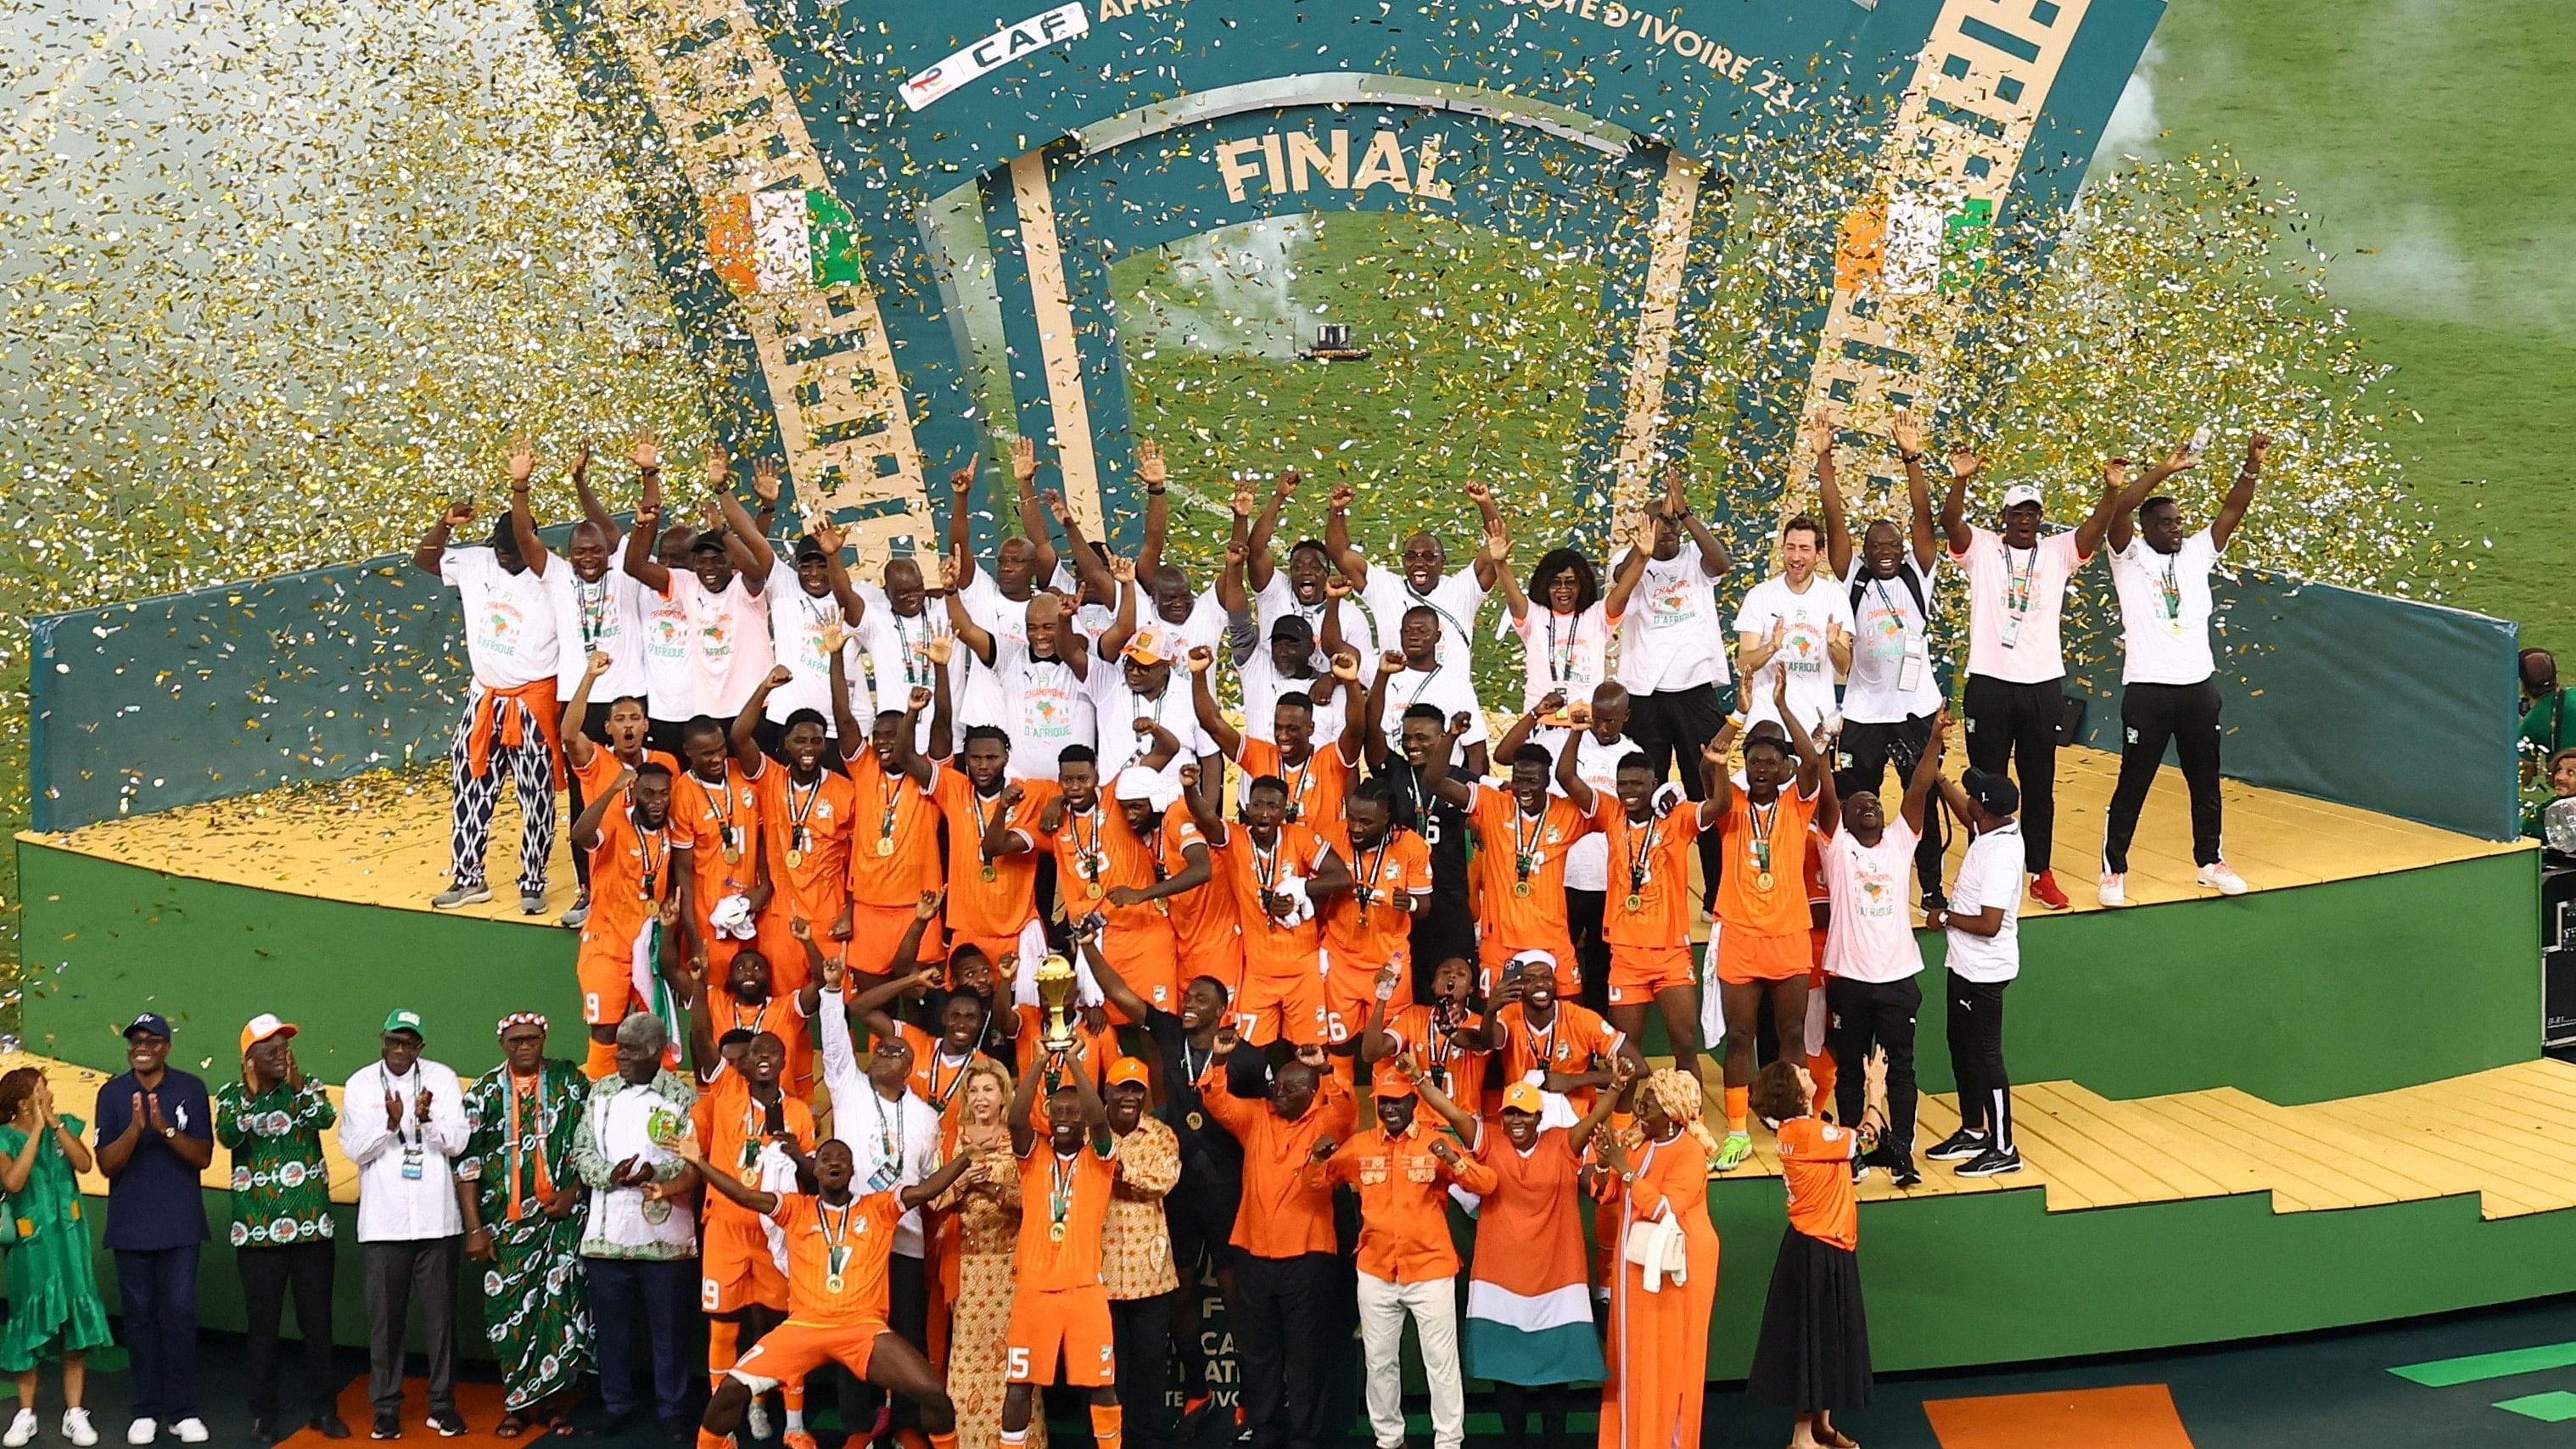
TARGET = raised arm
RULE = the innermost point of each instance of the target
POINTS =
(523, 524)
(433, 544)
(1023, 1097)
(1155, 475)
(592, 509)
(1351, 744)
(1087, 564)
(1954, 502)
(585, 829)
(743, 530)
(578, 747)
(1458, 1118)
(1202, 664)
(1337, 535)
(1713, 557)
(1717, 785)
(1086, 934)
(1829, 496)
(1033, 518)
(1435, 771)
(1927, 772)
(687, 1150)
(961, 622)
(2240, 494)
(1113, 640)
(961, 498)
(1482, 495)
(1497, 550)
(744, 735)
(1918, 489)
(1230, 594)
(2088, 534)
(640, 563)
(1570, 779)
(1811, 760)
(1371, 716)
(1259, 559)
(1553, 702)
(846, 726)
(2129, 493)
(1632, 567)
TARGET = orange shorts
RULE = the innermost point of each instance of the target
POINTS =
(1146, 960)
(796, 1348)
(607, 980)
(1282, 1006)
(1638, 972)
(1494, 953)
(1075, 1320)
(1746, 956)
(876, 930)
(1349, 997)
(735, 1270)
(1223, 961)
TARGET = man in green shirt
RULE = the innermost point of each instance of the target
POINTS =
(2548, 715)
(272, 1122)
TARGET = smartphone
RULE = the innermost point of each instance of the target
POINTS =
(2201, 436)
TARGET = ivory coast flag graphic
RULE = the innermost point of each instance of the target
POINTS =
(785, 237)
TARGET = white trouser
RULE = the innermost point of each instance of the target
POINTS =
(1434, 1306)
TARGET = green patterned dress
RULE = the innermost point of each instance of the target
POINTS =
(533, 1290)
(53, 1284)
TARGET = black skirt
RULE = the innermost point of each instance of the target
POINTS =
(1814, 1351)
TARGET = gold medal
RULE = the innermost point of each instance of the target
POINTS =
(833, 1284)
(1092, 890)
(1636, 902)
(1764, 881)
(795, 857)
(1520, 888)
(733, 854)
(990, 873)
(885, 845)
(1197, 1122)
(751, 1178)
(1055, 1232)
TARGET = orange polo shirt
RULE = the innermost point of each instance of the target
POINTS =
(1742, 902)
(1318, 790)
(1659, 850)
(1359, 925)
(981, 909)
(1404, 1200)
(894, 837)
(1534, 918)
(1284, 1213)
(1273, 949)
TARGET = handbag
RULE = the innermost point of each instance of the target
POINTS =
(1660, 1249)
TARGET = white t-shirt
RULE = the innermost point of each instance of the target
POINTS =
(1871, 937)
(1047, 708)
(2164, 611)
(1672, 637)
(898, 651)
(594, 618)
(1203, 629)
(1445, 686)
(728, 637)
(1262, 686)
(797, 620)
(1805, 655)
(1116, 708)
(1991, 875)
(1587, 861)
(1886, 628)
(2017, 593)
(1005, 618)
(1278, 601)
(1558, 651)
(509, 618)
(1456, 598)
(670, 682)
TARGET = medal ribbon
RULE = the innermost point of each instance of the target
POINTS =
(1637, 856)
(2172, 591)
(890, 794)
(526, 1097)
(645, 840)
(719, 799)
(1368, 891)
(796, 814)
(917, 672)
(1764, 818)
(1060, 1190)
(1525, 844)
(836, 1254)
(1087, 857)
(1560, 655)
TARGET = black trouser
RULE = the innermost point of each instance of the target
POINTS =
(594, 724)
(2151, 715)
(1141, 1331)
(2017, 723)
(395, 1273)
(1591, 951)
(1977, 1058)
(1858, 1016)
(1673, 725)
(1282, 1308)
(266, 1273)
(1861, 758)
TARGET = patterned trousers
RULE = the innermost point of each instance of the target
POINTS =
(470, 826)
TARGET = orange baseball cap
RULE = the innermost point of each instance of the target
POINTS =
(1145, 648)
(1125, 1070)
(1388, 1082)
(263, 1026)
(1524, 1097)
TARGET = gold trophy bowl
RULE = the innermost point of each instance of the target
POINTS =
(1055, 997)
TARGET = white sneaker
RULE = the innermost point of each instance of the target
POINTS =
(76, 1428)
(142, 1431)
(190, 1430)
(757, 1419)
(2222, 878)
(22, 1430)
(2112, 889)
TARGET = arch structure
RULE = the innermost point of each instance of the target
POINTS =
(888, 228)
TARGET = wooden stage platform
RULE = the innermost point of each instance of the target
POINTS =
(381, 840)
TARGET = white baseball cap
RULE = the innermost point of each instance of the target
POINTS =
(2021, 493)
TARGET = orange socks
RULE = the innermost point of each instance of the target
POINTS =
(1821, 1067)
(601, 1063)
(1738, 1107)
(1108, 1425)
(724, 1340)
(707, 1440)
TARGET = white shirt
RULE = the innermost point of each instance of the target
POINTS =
(509, 618)
(1203, 629)
(797, 621)
(1871, 937)
(1444, 686)
(1045, 708)
(393, 1207)
(894, 1144)
(670, 684)
(899, 660)
(1671, 638)
(1587, 861)
(606, 617)
(1116, 708)
(1567, 652)
(1886, 627)
(2018, 593)
(1455, 598)
(728, 641)
(1278, 600)
(2164, 610)
(1262, 686)
(622, 1222)
(1804, 657)
(1990, 876)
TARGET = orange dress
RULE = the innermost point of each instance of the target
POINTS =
(1658, 1347)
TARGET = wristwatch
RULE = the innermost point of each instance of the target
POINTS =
(169, 1132)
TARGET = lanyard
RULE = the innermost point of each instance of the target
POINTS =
(1448, 624)
(889, 796)
(407, 1089)
(836, 1247)
(941, 1096)
(796, 813)
(719, 798)
(1297, 777)
(1638, 854)
(1525, 845)
(984, 828)
(1543, 1050)
(1367, 890)
(1424, 687)
(916, 652)
(594, 611)
(645, 840)
(889, 1131)
(1060, 1193)
(2172, 590)
(519, 1153)
(2017, 578)
(1560, 656)
(1764, 818)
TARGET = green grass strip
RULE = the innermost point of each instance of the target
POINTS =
(2554, 1407)
(2442, 1373)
